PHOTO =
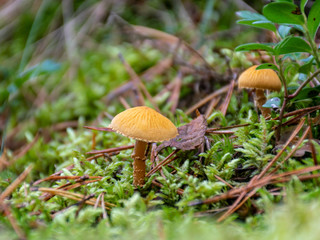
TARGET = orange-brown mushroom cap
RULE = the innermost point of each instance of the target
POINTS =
(259, 79)
(144, 124)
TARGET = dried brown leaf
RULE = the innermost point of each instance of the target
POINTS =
(190, 135)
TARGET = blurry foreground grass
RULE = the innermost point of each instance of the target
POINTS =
(293, 220)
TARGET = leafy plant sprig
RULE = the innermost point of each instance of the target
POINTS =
(284, 19)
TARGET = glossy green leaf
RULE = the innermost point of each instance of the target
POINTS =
(284, 31)
(258, 24)
(307, 92)
(303, 4)
(251, 16)
(283, 12)
(306, 68)
(268, 66)
(255, 20)
(272, 103)
(292, 45)
(254, 46)
(314, 19)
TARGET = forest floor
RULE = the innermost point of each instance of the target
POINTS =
(68, 68)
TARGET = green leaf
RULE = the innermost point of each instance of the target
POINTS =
(258, 24)
(303, 4)
(283, 12)
(268, 66)
(251, 16)
(314, 19)
(307, 92)
(272, 103)
(254, 46)
(284, 31)
(306, 68)
(255, 20)
(292, 45)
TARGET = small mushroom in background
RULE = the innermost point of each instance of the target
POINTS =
(145, 125)
(260, 80)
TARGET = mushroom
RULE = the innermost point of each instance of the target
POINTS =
(145, 125)
(260, 80)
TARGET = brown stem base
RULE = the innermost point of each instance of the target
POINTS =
(139, 163)
(139, 172)
(261, 99)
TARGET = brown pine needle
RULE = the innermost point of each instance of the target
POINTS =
(174, 98)
(74, 196)
(106, 155)
(148, 75)
(124, 103)
(110, 150)
(13, 222)
(228, 127)
(138, 84)
(164, 162)
(208, 98)
(68, 177)
(293, 135)
(221, 132)
(313, 150)
(156, 183)
(55, 174)
(97, 201)
(299, 111)
(237, 203)
(257, 184)
(99, 129)
(213, 103)
(67, 186)
(15, 184)
(297, 145)
(225, 105)
(222, 180)
(26, 148)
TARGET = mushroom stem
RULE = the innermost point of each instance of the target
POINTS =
(139, 163)
(261, 99)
